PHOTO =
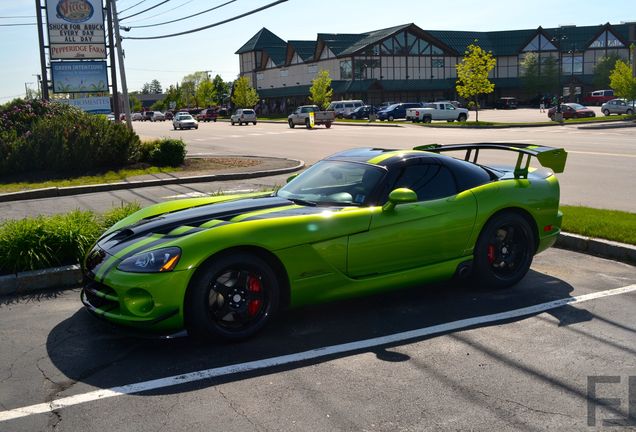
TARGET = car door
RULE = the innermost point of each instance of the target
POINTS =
(432, 230)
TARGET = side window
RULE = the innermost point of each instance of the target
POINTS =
(428, 181)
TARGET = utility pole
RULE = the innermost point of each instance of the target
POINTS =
(45, 81)
(120, 57)
(111, 55)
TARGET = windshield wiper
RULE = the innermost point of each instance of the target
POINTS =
(302, 202)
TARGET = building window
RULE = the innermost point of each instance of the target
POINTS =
(572, 64)
(284, 73)
(259, 77)
(364, 68)
(345, 69)
(539, 43)
(438, 62)
(312, 69)
(606, 40)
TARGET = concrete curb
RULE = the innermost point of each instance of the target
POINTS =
(71, 276)
(598, 247)
(609, 126)
(103, 187)
(340, 123)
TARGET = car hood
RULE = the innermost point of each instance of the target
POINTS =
(169, 226)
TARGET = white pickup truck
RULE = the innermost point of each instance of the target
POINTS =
(301, 117)
(436, 111)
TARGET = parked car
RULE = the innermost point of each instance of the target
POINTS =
(110, 117)
(154, 116)
(617, 106)
(184, 121)
(361, 221)
(208, 114)
(506, 103)
(169, 115)
(136, 116)
(344, 107)
(243, 115)
(598, 97)
(572, 110)
(397, 111)
(361, 112)
(301, 116)
(436, 111)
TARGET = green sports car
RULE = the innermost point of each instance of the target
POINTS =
(361, 221)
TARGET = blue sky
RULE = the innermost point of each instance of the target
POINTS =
(168, 60)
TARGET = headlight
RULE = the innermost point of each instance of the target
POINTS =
(159, 260)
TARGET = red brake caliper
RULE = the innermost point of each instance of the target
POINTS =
(491, 254)
(254, 285)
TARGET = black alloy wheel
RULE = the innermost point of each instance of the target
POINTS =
(504, 251)
(291, 123)
(232, 298)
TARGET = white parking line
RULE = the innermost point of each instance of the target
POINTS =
(303, 356)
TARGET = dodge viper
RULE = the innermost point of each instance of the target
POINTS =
(361, 221)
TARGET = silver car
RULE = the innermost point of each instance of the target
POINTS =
(243, 115)
(184, 121)
(618, 106)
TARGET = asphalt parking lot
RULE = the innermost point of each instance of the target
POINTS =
(342, 366)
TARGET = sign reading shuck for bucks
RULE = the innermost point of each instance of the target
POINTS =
(76, 29)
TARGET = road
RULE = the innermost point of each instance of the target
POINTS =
(528, 372)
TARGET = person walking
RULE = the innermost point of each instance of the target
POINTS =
(542, 105)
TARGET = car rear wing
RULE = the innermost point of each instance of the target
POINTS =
(549, 157)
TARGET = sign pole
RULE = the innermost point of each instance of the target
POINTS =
(113, 68)
(45, 81)
(122, 70)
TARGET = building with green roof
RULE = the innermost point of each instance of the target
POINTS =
(407, 63)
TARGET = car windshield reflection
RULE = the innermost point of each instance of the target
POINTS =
(334, 183)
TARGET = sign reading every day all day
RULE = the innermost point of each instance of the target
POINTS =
(76, 29)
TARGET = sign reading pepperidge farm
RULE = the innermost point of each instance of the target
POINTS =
(76, 29)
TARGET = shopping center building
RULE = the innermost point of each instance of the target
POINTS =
(407, 63)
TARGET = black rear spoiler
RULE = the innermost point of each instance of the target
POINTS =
(549, 157)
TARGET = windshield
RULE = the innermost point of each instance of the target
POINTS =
(334, 183)
(185, 117)
(577, 106)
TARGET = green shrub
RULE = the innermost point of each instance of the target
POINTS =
(163, 152)
(48, 241)
(36, 136)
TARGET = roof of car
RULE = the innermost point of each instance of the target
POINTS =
(378, 156)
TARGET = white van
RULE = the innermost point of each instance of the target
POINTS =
(344, 106)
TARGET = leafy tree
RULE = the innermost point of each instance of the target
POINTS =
(206, 94)
(188, 94)
(531, 77)
(603, 69)
(623, 81)
(550, 75)
(472, 74)
(173, 94)
(145, 89)
(135, 103)
(243, 94)
(221, 89)
(320, 91)
(155, 87)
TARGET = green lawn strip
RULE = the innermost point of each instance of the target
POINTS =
(41, 242)
(612, 225)
(108, 177)
(473, 124)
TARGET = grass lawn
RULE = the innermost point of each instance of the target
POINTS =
(606, 224)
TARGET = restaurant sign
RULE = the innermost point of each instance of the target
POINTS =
(79, 77)
(76, 29)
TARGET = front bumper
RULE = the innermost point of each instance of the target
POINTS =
(147, 302)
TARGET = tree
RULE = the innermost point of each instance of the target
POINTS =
(155, 87)
(531, 77)
(550, 75)
(243, 94)
(603, 69)
(206, 95)
(173, 97)
(623, 81)
(135, 103)
(472, 75)
(221, 89)
(320, 91)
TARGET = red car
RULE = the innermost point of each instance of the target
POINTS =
(598, 97)
(572, 110)
(208, 114)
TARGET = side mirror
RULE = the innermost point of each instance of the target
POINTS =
(399, 196)
(290, 178)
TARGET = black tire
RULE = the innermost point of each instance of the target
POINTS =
(291, 123)
(328, 125)
(629, 112)
(504, 251)
(307, 124)
(232, 122)
(606, 112)
(231, 298)
(354, 117)
(254, 123)
(427, 119)
(391, 118)
(462, 117)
